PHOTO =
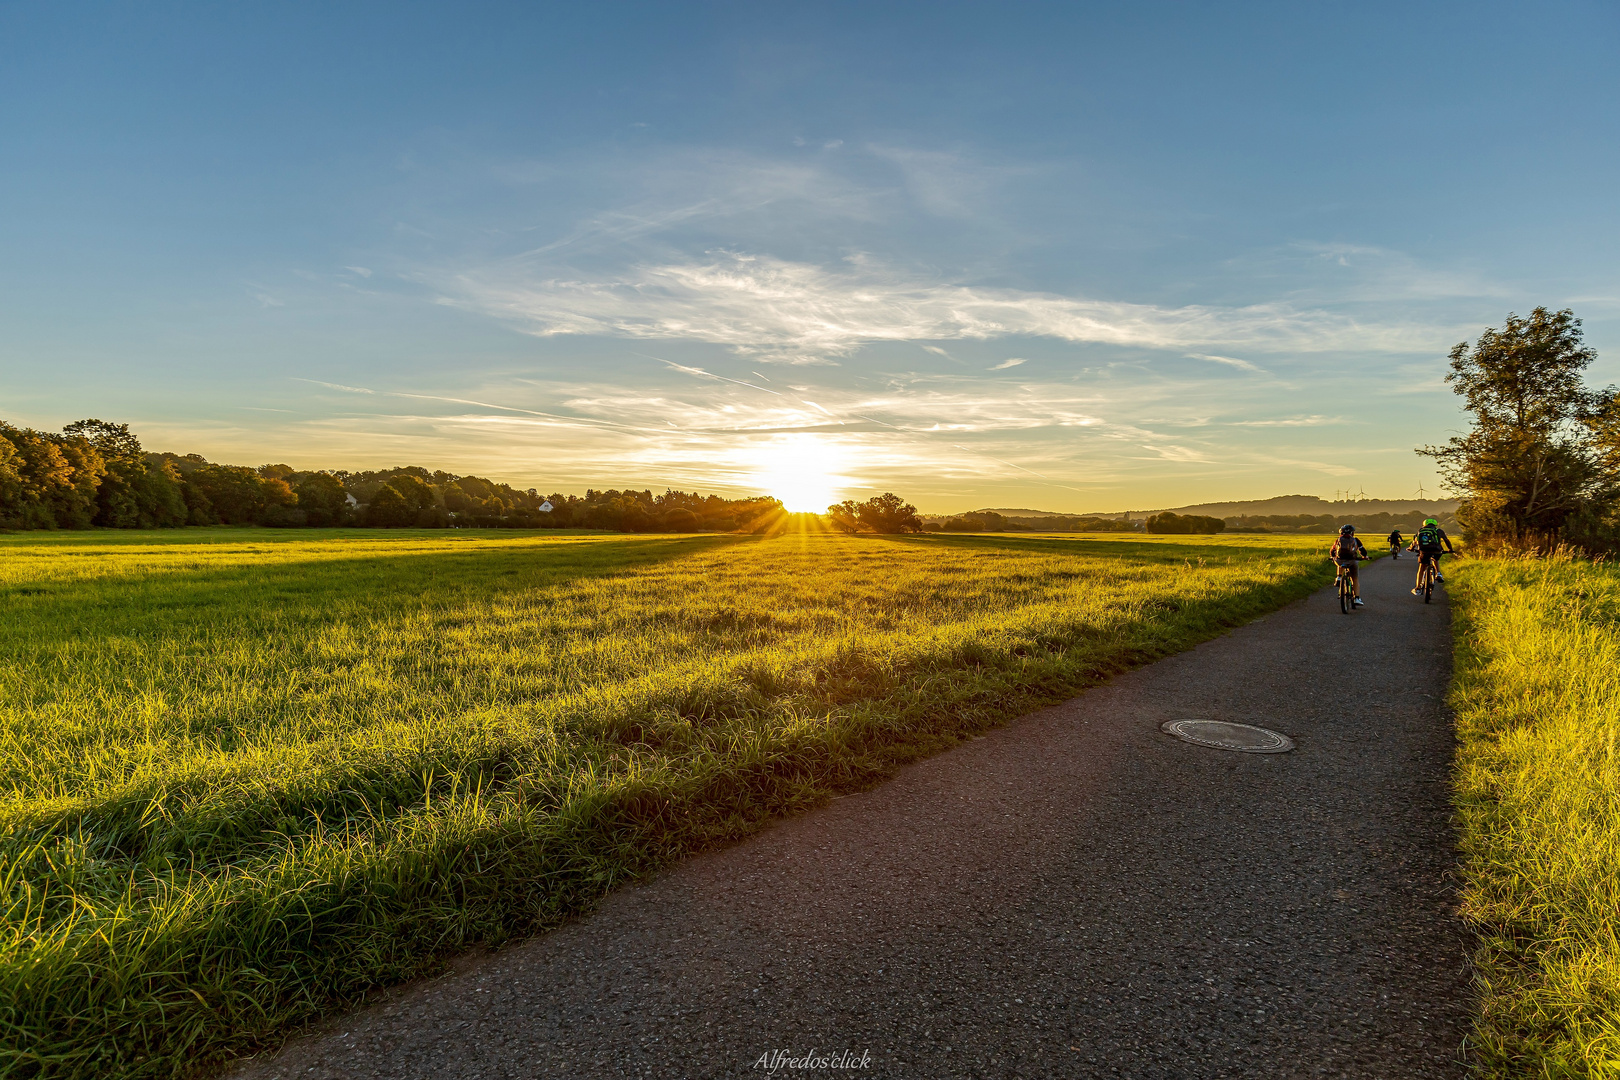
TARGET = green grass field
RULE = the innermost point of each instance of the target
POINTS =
(247, 776)
(1537, 695)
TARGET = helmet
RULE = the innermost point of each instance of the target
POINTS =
(1346, 529)
(1430, 522)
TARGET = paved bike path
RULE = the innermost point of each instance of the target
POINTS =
(1074, 895)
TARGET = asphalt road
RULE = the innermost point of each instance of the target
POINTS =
(1076, 894)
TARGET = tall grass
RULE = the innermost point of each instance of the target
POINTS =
(1537, 697)
(245, 777)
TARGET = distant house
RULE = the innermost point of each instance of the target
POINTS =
(350, 499)
(546, 507)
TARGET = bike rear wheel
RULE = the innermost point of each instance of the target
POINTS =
(1345, 596)
(1428, 584)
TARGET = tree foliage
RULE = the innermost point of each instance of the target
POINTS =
(1168, 522)
(886, 513)
(322, 499)
(389, 509)
(96, 473)
(55, 480)
(1539, 464)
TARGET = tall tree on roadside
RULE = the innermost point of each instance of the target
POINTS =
(1531, 464)
(1598, 526)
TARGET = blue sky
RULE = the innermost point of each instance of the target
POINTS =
(1080, 257)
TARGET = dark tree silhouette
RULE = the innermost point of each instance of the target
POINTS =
(886, 513)
(1185, 523)
(389, 509)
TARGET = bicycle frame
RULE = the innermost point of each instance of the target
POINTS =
(1428, 571)
(1345, 585)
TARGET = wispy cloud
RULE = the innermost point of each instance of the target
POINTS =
(1293, 421)
(1010, 362)
(1230, 361)
(798, 312)
(336, 386)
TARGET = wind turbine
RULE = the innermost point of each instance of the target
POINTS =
(1420, 491)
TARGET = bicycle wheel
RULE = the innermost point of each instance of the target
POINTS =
(1344, 593)
(1428, 585)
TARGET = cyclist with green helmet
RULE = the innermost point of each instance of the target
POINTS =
(1348, 552)
(1430, 543)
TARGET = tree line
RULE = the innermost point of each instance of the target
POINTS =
(990, 521)
(1379, 524)
(96, 473)
(1185, 524)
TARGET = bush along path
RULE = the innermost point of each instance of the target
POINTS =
(1075, 894)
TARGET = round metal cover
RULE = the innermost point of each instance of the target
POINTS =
(1224, 736)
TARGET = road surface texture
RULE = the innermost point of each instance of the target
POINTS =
(1076, 894)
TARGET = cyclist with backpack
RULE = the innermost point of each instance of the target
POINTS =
(1348, 552)
(1430, 543)
(1395, 541)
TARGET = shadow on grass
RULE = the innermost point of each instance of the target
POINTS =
(322, 588)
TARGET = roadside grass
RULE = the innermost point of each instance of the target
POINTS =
(246, 776)
(1537, 697)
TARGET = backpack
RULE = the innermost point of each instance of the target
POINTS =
(1428, 537)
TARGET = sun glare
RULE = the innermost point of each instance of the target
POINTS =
(801, 471)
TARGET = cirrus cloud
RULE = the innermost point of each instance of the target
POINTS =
(803, 313)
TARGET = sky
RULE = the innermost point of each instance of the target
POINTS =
(1070, 256)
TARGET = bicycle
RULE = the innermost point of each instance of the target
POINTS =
(1395, 551)
(1427, 572)
(1346, 585)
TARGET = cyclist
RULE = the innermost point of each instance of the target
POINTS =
(1348, 553)
(1430, 542)
(1395, 541)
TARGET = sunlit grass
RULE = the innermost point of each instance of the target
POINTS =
(1537, 695)
(245, 775)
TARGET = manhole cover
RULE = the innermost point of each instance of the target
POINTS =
(1224, 736)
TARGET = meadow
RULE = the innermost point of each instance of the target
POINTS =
(1537, 698)
(247, 776)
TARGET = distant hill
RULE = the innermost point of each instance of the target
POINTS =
(1310, 504)
(1280, 504)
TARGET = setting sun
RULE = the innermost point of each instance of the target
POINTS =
(801, 470)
